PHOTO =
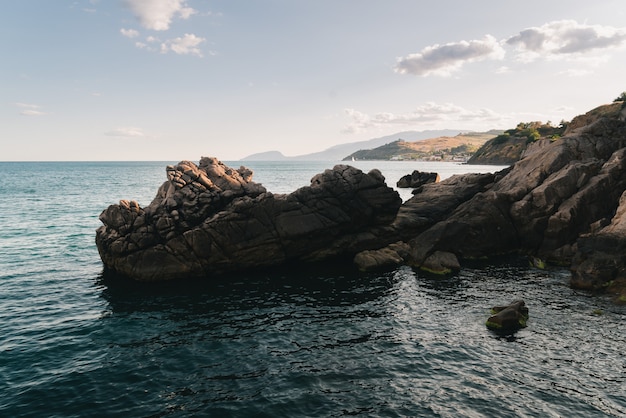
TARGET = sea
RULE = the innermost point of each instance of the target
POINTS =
(304, 342)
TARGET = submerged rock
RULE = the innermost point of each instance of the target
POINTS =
(210, 219)
(508, 318)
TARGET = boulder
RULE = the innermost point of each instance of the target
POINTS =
(508, 318)
(391, 256)
(440, 262)
(211, 219)
(417, 179)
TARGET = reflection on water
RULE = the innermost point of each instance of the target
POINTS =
(399, 343)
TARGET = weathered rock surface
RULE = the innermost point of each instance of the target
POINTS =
(560, 191)
(211, 219)
(600, 260)
(393, 255)
(508, 318)
(417, 179)
(563, 202)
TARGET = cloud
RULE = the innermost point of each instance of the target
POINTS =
(427, 114)
(127, 131)
(158, 14)
(30, 109)
(446, 59)
(553, 40)
(32, 112)
(129, 33)
(185, 45)
(565, 38)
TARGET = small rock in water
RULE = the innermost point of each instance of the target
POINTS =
(508, 318)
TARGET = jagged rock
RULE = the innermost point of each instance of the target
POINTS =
(541, 205)
(508, 318)
(435, 201)
(209, 219)
(417, 179)
(562, 202)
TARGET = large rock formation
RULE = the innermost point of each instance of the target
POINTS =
(562, 202)
(210, 219)
(558, 192)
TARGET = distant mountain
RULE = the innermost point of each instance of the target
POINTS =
(266, 156)
(338, 152)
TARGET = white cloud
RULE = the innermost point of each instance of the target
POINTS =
(127, 131)
(158, 14)
(554, 40)
(427, 114)
(445, 59)
(185, 45)
(188, 44)
(30, 109)
(129, 33)
(565, 38)
(32, 112)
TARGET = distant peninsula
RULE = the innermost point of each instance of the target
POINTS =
(459, 147)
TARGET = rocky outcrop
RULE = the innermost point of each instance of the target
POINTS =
(417, 179)
(210, 219)
(562, 202)
(508, 318)
(559, 192)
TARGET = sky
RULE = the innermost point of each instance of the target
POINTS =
(171, 80)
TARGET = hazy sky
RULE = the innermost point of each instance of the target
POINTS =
(179, 79)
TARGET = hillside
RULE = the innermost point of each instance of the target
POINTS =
(458, 147)
(509, 146)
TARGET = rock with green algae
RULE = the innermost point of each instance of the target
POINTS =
(508, 318)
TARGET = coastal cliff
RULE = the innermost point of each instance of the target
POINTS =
(562, 203)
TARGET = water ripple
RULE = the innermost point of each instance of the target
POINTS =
(75, 343)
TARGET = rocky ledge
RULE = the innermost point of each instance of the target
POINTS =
(563, 202)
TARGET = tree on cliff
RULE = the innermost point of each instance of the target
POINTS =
(621, 98)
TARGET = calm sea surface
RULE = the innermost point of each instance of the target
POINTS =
(297, 343)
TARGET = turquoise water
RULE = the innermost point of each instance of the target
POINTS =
(299, 343)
